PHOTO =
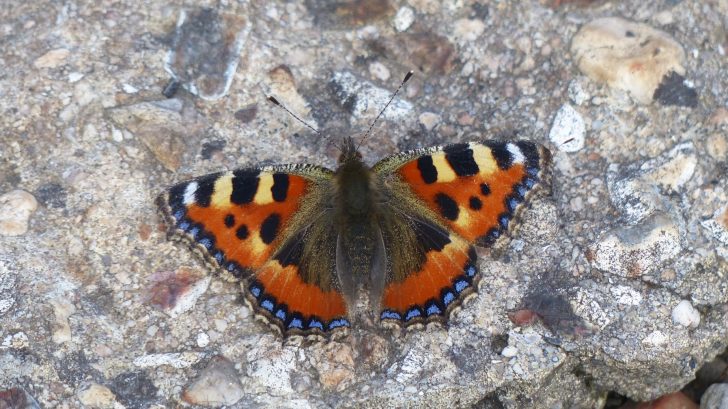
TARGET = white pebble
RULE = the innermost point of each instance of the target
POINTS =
(568, 130)
(74, 77)
(404, 19)
(15, 210)
(509, 351)
(429, 120)
(379, 71)
(685, 314)
(203, 340)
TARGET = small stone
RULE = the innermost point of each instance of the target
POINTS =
(633, 188)
(429, 120)
(246, 114)
(62, 308)
(379, 71)
(673, 169)
(366, 99)
(674, 90)
(129, 89)
(718, 226)
(685, 314)
(216, 385)
(403, 19)
(630, 56)
(509, 351)
(52, 59)
(717, 146)
(205, 51)
(203, 340)
(715, 397)
(655, 338)
(15, 209)
(16, 341)
(176, 293)
(93, 395)
(466, 30)
(75, 77)
(568, 130)
(577, 94)
(664, 18)
(634, 251)
(174, 359)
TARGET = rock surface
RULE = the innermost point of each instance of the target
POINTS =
(616, 282)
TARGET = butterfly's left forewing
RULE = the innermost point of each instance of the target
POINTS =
(444, 201)
(262, 226)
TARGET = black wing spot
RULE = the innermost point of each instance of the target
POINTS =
(448, 207)
(484, 189)
(269, 228)
(460, 158)
(428, 171)
(242, 232)
(475, 203)
(280, 187)
(245, 185)
(229, 220)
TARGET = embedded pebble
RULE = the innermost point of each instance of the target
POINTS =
(15, 209)
(379, 71)
(429, 120)
(176, 360)
(509, 351)
(177, 292)
(203, 340)
(16, 341)
(205, 51)
(715, 397)
(466, 30)
(216, 385)
(62, 308)
(52, 59)
(403, 19)
(634, 189)
(93, 395)
(568, 130)
(633, 251)
(673, 169)
(655, 338)
(718, 226)
(368, 99)
(685, 314)
(630, 56)
(577, 94)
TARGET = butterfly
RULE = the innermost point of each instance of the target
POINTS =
(306, 242)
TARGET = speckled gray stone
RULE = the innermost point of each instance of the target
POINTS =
(87, 129)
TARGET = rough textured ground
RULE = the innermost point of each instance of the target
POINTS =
(625, 265)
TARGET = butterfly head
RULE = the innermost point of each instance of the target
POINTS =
(349, 151)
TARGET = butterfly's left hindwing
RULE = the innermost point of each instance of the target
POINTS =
(251, 224)
(452, 198)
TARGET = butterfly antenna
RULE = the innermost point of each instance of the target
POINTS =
(404, 81)
(275, 101)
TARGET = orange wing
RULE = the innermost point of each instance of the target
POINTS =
(472, 193)
(245, 224)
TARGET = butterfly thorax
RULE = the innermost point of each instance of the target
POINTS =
(356, 219)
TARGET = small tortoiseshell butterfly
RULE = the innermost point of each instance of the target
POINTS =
(302, 238)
